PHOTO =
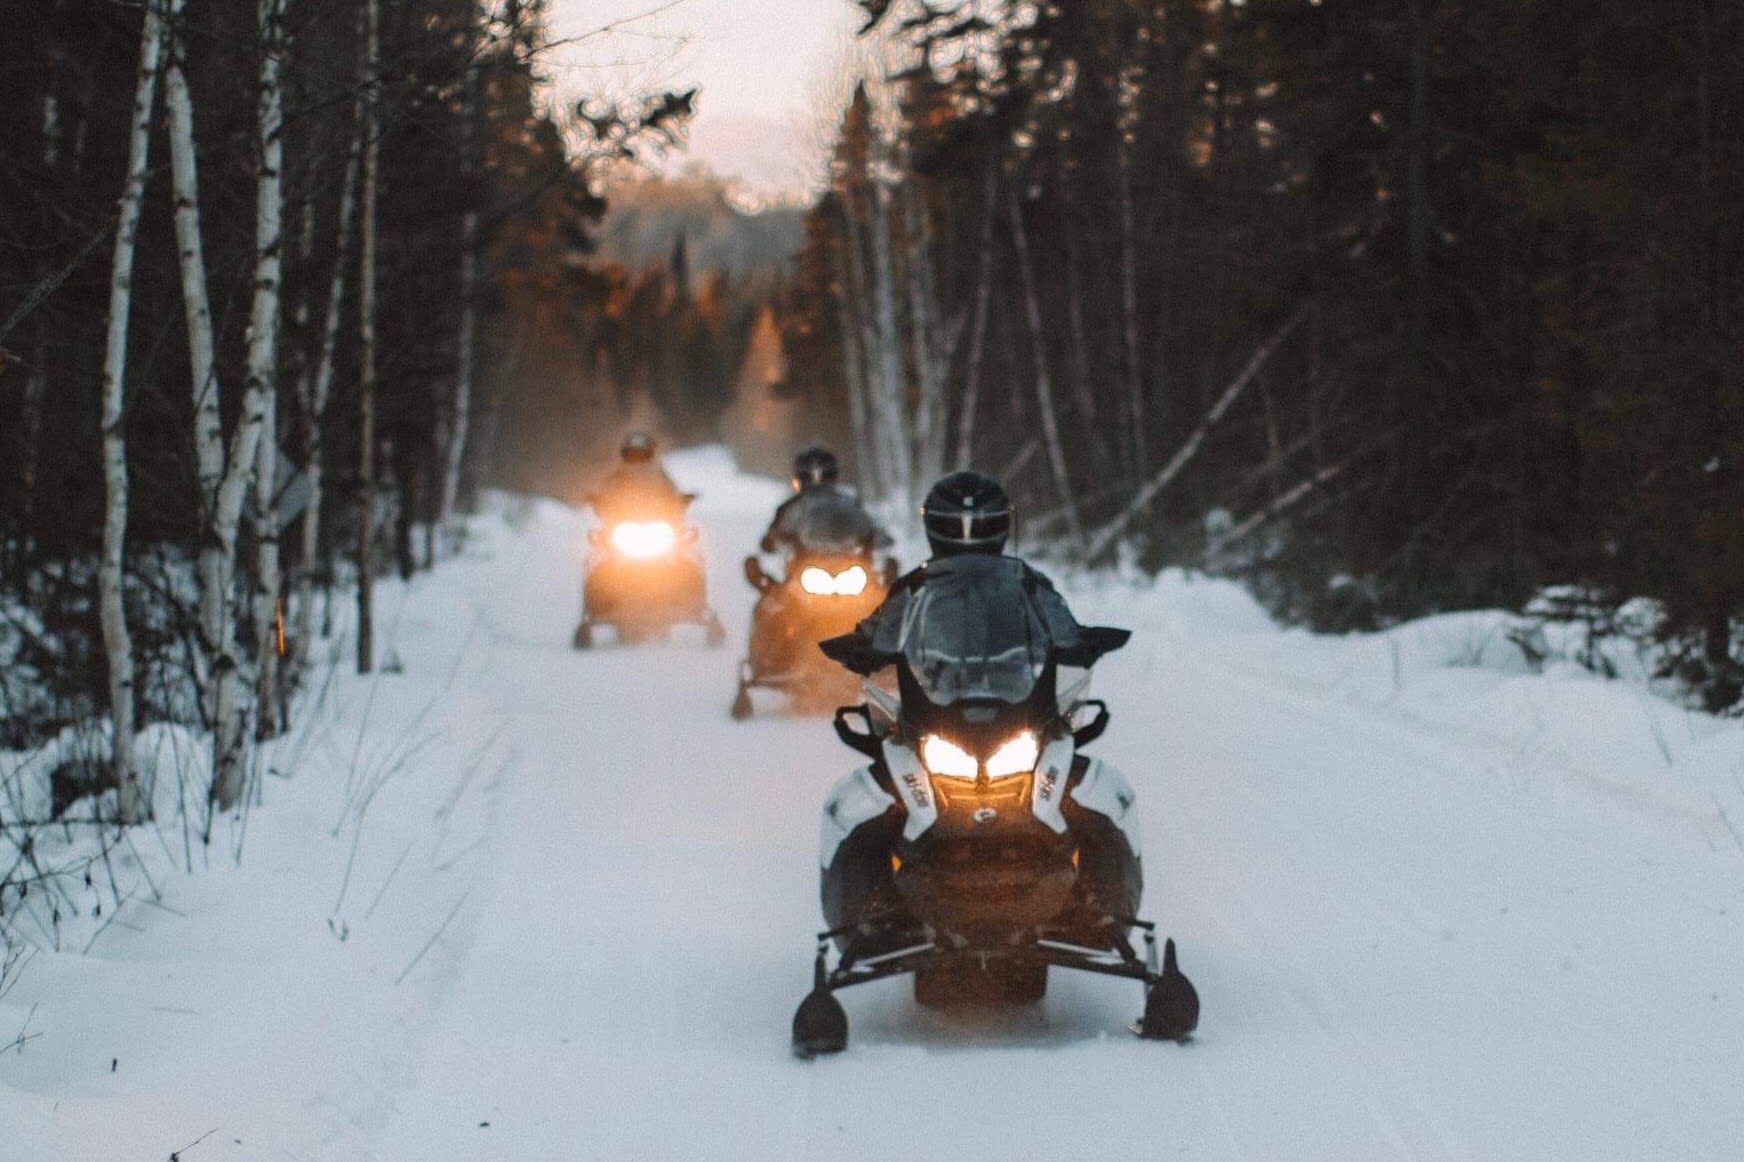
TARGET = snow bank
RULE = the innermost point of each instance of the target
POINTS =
(504, 900)
(1555, 726)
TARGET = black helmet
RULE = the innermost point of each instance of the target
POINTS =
(966, 512)
(638, 446)
(815, 466)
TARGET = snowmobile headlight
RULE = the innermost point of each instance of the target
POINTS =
(1017, 755)
(644, 539)
(943, 757)
(851, 582)
(812, 579)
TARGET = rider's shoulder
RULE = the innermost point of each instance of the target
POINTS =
(1035, 576)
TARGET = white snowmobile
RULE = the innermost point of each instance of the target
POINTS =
(980, 848)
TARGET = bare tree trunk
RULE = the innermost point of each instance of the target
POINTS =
(1083, 398)
(1279, 504)
(314, 407)
(1044, 385)
(890, 401)
(978, 323)
(263, 336)
(1136, 411)
(1190, 447)
(460, 408)
(875, 468)
(135, 801)
(224, 472)
(366, 347)
(36, 375)
(927, 342)
(1417, 198)
(854, 379)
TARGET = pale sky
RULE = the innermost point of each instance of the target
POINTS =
(765, 67)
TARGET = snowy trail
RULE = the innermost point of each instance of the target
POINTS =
(1399, 958)
(1411, 943)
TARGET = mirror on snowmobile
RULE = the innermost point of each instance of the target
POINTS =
(754, 573)
(866, 742)
(1087, 729)
(853, 651)
(1093, 642)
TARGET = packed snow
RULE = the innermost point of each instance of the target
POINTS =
(505, 900)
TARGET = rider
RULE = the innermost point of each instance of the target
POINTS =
(821, 517)
(638, 485)
(968, 520)
(821, 514)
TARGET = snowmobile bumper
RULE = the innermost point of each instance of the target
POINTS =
(1171, 1003)
(664, 590)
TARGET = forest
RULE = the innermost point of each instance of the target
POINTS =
(282, 281)
(1383, 306)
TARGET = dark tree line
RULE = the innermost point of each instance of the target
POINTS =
(1387, 305)
(260, 263)
(600, 348)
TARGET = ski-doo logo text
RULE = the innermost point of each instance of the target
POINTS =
(985, 814)
(918, 789)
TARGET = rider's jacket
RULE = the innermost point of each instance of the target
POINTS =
(638, 489)
(823, 518)
(999, 582)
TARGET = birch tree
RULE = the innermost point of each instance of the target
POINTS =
(224, 470)
(118, 644)
(263, 335)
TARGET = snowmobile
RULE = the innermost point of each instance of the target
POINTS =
(981, 847)
(824, 594)
(645, 575)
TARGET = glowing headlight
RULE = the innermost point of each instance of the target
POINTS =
(851, 582)
(815, 580)
(1016, 756)
(644, 539)
(947, 758)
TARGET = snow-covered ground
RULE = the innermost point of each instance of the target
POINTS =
(522, 903)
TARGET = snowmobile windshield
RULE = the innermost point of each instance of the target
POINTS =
(971, 633)
(832, 523)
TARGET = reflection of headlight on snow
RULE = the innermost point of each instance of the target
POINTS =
(1016, 756)
(850, 582)
(943, 757)
(644, 539)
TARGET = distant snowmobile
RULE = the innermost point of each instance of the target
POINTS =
(980, 847)
(833, 579)
(822, 596)
(644, 568)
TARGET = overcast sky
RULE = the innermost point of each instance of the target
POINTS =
(761, 66)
